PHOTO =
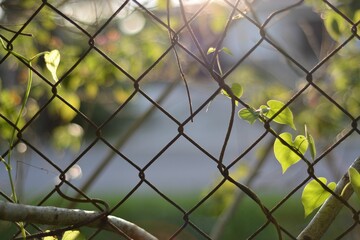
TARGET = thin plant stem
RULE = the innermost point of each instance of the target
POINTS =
(17, 121)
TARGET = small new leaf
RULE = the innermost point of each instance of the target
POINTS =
(311, 143)
(52, 60)
(211, 50)
(227, 51)
(285, 155)
(284, 117)
(248, 114)
(355, 180)
(224, 49)
(314, 195)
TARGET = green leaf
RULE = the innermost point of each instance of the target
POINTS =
(355, 180)
(285, 117)
(211, 50)
(227, 51)
(52, 60)
(285, 156)
(49, 237)
(224, 49)
(314, 195)
(248, 114)
(73, 235)
(236, 89)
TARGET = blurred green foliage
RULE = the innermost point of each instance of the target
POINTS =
(340, 78)
(96, 83)
(96, 87)
(94, 78)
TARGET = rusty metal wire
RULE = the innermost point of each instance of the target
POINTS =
(185, 48)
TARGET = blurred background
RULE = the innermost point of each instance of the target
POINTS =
(138, 93)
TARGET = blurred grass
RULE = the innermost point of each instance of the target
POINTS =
(162, 219)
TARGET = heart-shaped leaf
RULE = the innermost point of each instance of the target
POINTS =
(285, 155)
(284, 117)
(314, 195)
(355, 180)
(52, 60)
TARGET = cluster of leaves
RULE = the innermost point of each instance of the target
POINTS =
(276, 111)
(288, 150)
(343, 72)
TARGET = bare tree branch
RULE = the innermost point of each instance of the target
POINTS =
(330, 209)
(65, 217)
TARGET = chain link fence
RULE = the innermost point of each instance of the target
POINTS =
(147, 123)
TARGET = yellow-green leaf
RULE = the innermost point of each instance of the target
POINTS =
(224, 49)
(284, 117)
(73, 235)
(248, 114)
(49, 237)
(227, 51)
(355, 180)
(211, 50)
(286, 156)
(236, 89)
(52, 60)
(314, 195)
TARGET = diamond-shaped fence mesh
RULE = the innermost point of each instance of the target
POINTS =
(141, 120)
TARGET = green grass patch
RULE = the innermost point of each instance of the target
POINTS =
(163, 219)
